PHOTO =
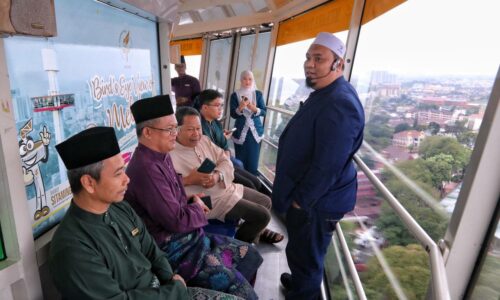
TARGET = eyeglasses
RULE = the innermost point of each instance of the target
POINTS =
(216, 105)
(171, 130)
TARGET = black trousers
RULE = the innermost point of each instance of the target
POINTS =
(255, 209)
(246, 178)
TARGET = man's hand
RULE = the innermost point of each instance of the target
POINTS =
(181, 100)
(296, 205)
(228, 134)
(214, 179)
(179, 278)
(197, 200)
(197, 178)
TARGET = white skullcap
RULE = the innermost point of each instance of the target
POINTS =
(331, 42)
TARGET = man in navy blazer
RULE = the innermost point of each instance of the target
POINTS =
(315, 183)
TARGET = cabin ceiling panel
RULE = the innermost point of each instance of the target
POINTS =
(241, 9)
(260, 5)
(165, 10)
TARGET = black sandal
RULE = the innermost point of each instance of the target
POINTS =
(271, 237)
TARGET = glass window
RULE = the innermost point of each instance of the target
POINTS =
(487, 287)
(275, 124)
(424, 101)
(101, 61)
(193, 63)
(218, 64)
(2, 247)
(286, 91)
(256, 64)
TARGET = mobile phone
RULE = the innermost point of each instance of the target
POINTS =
(207, 166)
(207, 200)
(233, 130)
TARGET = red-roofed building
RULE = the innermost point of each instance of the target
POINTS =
(367, 202)
(408, 138)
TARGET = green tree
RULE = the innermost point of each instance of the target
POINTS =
(467, 138)
(390, 224)
(410, 266)
(434, 128)
(434, 145)
(377, 133)
(402, 127)
(440, 167)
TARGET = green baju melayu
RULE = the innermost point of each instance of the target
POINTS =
(112, 256)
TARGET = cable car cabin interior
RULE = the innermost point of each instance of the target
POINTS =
(425, 224)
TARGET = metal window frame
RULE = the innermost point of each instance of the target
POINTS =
(476, 202)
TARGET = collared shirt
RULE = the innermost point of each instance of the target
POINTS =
(109, 256)
(225, 194)
(156, 193)
(215, 133)
(186, 86)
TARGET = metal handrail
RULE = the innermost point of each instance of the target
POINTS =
(267, 141)
(350, 263)
(281, 110)
(439, 279)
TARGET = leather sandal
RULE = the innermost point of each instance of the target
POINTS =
(271, 237)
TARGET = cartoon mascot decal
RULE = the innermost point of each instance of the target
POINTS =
(32, 153)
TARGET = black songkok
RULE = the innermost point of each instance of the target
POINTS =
(151, 108)
(89, 146)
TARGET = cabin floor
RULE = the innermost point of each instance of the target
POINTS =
(267, 285)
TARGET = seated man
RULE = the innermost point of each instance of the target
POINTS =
(211, 108)
(101, 249)
(230, 201)
(157, 195)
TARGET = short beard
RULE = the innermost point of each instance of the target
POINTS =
(309, 82)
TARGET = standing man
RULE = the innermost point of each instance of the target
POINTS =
(185, 87)
(101, 249)
(315, 183)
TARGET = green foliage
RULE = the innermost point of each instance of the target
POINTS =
(402, 127)
(467, 138)
(434, 224)
(368, 160)
(434, 128)
(377, 133)
(487, 286)
(393, 228)
(440, 167)
(410, 266)
(434, 145)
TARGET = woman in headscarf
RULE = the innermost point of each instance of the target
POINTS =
(247, 108)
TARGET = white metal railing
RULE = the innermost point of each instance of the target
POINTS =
(438, 272)
(281, 110)
(350, 263)
(439, 279)
(343, 273)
